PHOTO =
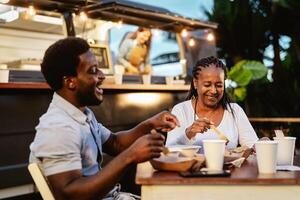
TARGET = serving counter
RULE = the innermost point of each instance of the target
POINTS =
(21, 105)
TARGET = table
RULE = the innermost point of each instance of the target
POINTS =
(244, 184)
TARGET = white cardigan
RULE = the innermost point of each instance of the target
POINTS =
(237, 129)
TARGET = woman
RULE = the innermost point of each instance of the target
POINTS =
(208, 104)
(134, 52)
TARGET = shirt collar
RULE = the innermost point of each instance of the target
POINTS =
(70, 109)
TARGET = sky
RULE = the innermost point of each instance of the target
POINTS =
(187, 8)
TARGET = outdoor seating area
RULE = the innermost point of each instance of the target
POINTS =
(135, 100)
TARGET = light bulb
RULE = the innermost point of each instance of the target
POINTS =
(82, 16)
(31, 11)
(184, 33)
(192, 42)
(210, 37)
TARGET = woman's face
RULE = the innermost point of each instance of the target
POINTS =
(210, 85)
(143, 36)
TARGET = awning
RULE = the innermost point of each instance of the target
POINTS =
(126, 11)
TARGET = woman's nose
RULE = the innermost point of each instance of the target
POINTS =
(214, 89)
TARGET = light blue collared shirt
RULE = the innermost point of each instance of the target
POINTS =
(63, 140)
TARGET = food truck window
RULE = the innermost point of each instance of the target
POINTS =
(164, 49)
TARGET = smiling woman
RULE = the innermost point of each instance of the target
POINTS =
(207, 107)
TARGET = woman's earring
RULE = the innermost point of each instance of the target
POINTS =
(71, 85)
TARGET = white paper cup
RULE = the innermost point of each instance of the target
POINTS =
(214, 154)
(266, 155)
(4, 75)
(118, 78)
(169, 80)
(285, 152)
(146, 79)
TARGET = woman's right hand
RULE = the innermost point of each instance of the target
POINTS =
(199, 126)
(132, 70)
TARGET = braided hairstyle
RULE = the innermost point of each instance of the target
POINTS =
(203, 63)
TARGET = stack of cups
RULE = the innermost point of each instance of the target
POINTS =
(214, 154)
(266, 155)
(286, 148)
(4, 74)
(118, 78)
(146, 79)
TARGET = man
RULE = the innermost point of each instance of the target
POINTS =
(69, 141)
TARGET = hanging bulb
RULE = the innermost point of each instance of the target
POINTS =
(184, 32)
(192, 42)
(82, 16)
(119, 24)
(210, 37)
(31, 11)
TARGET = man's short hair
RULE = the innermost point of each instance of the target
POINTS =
(62, 59)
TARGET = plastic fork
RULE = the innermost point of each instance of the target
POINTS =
(220, 134)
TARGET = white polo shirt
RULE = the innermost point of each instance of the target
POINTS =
(63, 140)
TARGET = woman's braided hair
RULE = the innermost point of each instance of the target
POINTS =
(207, 62)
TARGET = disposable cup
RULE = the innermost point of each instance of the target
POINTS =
(169, 80)
(118, 78)
(146, 79)
(266, 155)
(4, 75)
(214, 154)
(286, 148)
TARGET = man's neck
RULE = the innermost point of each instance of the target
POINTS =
(69, 96)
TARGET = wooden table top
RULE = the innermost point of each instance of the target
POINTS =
(246, 175)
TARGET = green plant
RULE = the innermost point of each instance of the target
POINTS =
(241, 74)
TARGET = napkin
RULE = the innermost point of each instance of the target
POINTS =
(288, 168)
(236, 163)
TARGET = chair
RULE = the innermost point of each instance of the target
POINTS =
(40, 181)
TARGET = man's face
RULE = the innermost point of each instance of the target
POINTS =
(89, 80)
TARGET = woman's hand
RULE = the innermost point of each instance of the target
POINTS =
(199, 126)
(132, 70)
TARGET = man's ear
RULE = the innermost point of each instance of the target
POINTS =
(69, 82)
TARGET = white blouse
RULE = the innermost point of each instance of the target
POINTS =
(237, 128)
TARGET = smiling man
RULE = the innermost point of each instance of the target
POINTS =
(69, 141)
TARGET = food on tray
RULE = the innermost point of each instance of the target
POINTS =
(235, 153)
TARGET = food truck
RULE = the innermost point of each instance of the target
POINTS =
(27, 28)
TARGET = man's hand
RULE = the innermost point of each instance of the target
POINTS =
(147, 147)
(199, 126)
(163, 121)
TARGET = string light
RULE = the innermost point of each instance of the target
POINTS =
(184, 33)
(210, 37)
(31, 11)
(192, 42)
(119, 24)
(82, 16)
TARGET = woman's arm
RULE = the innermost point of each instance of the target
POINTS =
(247, 135)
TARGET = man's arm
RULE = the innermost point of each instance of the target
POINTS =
(163, 121)
(72, 185)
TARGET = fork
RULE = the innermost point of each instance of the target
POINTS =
(220, 134)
